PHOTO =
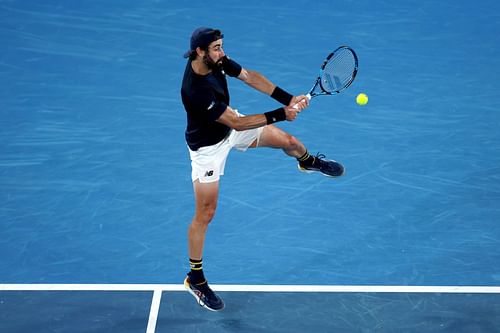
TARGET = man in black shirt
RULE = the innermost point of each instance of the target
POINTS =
(214, 128)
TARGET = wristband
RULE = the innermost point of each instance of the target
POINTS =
(281, 96)
(275, 115)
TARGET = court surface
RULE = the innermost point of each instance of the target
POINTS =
(96, 195)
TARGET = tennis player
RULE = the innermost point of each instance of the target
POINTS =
(214, 128)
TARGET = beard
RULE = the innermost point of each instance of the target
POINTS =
(210, 63)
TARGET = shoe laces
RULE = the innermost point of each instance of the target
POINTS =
(206, 290)
(318, 158)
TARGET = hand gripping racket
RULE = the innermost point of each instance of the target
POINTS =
(336, 73)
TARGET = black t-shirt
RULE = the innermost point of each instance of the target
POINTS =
(205, 98)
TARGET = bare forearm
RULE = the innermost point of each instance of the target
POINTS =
(242, 123)
(249, 122)
(258, 81)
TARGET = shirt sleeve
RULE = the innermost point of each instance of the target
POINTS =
(207, 103)
(231, 67)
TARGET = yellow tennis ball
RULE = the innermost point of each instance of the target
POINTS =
(362, 99)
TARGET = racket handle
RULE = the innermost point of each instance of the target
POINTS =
(308, 97)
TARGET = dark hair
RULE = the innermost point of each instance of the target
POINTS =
(203, 39)
(194, 54)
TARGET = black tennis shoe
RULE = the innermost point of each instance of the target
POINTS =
(329, 168)
(204, 295)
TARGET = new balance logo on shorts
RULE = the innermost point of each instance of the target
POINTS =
(209, 173)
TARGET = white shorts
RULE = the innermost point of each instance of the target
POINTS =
(208, 162)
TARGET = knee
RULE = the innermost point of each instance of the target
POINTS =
(204, 215)
(291, 142)
(209, 214)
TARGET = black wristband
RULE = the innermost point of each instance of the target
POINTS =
(275, 115)
(281, 96)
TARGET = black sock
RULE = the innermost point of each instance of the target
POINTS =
(306, 159)
(196, 275)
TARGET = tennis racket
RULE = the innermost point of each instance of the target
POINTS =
(336, 73)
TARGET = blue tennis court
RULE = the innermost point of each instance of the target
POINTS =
(96, 194)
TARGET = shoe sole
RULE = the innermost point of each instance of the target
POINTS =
(198, 299)
(324, 174)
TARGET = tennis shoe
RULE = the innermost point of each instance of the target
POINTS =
(329, 168)
(204, 296)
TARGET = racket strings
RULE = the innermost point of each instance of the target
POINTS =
(338, 73)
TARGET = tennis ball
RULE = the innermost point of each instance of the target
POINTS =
(362, 99)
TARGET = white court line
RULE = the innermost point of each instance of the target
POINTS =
(159, 288)
(91, 287)
(153, 313)
(257, 288)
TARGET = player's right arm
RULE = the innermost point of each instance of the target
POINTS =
(261, 83)
(257, 81)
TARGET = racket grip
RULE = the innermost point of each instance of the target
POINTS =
(308, 97)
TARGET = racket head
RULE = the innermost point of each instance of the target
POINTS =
(338, 71)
